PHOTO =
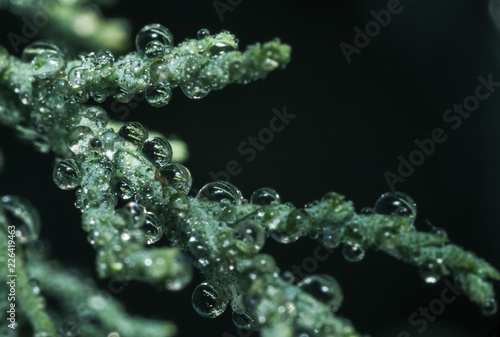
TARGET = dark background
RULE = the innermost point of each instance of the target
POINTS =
(353, 121)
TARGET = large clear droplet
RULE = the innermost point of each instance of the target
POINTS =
(77, 76)
(153, 228)
(79, 139)
(47, 65)
(490, 308)
(158, 95)
(199, 252)
(220, 48)
(284, 237)
(202, 33)
(330, 241)
(242, 321)
(67, 174)
(160, 71)
(178, 176)
(324, 288)
(158, 151)
(134, 132)
(250, 236)
(353, 252)
(265, 196)
(430, 272)
(104, 58)
(396, 203)
(153, 32)
(207, 302)
(134, 214)
(219, 190)
(195, 91)
(37, 48)
(21, 214)
(94, 117)
(124, 189)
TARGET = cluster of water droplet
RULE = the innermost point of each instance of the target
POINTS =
(391, 203)
(324, 288)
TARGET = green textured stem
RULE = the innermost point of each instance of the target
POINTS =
(111, 315)
(30, 304)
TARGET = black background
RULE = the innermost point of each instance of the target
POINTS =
(353, 121)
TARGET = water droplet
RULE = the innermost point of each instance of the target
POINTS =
(330, 241)
(153, 227)
(47, 65)
(195, 91)
(79, 139)
(265, 196)
(158, 95)
(36, 48)
(311, 204)
(430, 272)
(94, 117)
(296, 222)
(218, 190)
(153, 32)
(20, 213)
(160, 71)
(324, 288)
(250, 236)
(106, 169)
(104, 58)
(178, 176)
(220, 48)
(242, 321)
(202, 33)
(396, 203)
(199, 252)
(207, 302)
(284, 237)
(179, 203)
(134, 132)
(353, 252)
(124, 189)
(158, 151)
(367, 211)
(288, 276)
(97, 143)
(35, 286)
(67, 174)
(77, 77)
(123, 95)
(134, 214)
(490, 308)
(236, 69)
